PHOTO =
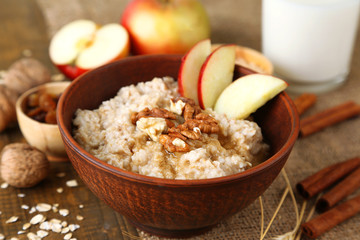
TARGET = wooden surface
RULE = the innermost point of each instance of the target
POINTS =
(28, 24)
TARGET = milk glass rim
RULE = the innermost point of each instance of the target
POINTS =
(339, 3)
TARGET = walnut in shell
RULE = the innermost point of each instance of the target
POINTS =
(26, 73)
(23, 165)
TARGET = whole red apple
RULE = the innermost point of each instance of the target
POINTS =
(165, 26)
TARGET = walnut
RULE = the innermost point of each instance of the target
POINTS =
(173, 144)
(23, 165)
(154, 127)
(26, 73)
(155, 112)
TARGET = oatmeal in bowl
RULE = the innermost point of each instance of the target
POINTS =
(149, 129)
(174, 206)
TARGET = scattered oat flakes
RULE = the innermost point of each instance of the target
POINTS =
(26, 226)
(43, 207)
(42, 233)
(33, 236)
(21, 195)
(12, 219)
(32, 210)
(37, 219)
(2, 236)
(61, 174)
(64, 212)
(4, 185)
(60, 190)
(79, 218)
(24, 206)
(72, 183)
(81, 206)
(67, 236)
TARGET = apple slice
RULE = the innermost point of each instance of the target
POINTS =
(245, 95)
(82, 45)
(215, 75)
(190, 69)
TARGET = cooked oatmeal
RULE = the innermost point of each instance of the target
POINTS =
(146, 129)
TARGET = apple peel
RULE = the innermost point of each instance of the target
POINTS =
(248, 93)
(215, 75)
(190, 69)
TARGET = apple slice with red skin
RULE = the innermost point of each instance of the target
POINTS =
(215, 75)
(248, 93)
(190, 67)
(82, 45)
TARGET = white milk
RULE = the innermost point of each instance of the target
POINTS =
(310, 42)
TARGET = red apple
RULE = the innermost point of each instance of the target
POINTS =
(190, 69)
(82, 45)
(215, 75)
(165, 26)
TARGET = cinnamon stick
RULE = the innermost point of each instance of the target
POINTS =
(328, 117)
(340, 191)
(324, 222)
(321, 180)
(304, 102)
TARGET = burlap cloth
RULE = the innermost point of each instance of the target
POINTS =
(239, 21)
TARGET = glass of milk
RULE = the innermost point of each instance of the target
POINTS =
(310, 42)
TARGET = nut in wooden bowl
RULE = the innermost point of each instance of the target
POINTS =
(43, 135)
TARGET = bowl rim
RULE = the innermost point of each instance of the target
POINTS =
(131, 176)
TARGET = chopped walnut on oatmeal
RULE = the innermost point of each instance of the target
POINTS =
(164, 126)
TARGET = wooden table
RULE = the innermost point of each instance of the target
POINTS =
(28, 24)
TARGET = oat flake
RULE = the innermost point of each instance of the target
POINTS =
(12, 219)
(79, 217)
(56, 227)
(67, 236)
(24, 206)
(33, 236)
(43, 207)
(65, 230)
(42, 233)
(14, 238)
(37, 219)
(60, 190)
(21, 232)
(4, 185)
(81, 206)
(73, 227)
(72, 183)
(26, 226)
(2, 236)
(45, 226)
(32, 210)
(64, 212)
(21, 195)
(64, 223)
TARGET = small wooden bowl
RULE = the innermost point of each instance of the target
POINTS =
(164, 207)
(45, 137)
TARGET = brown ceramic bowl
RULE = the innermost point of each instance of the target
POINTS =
(175, 208)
